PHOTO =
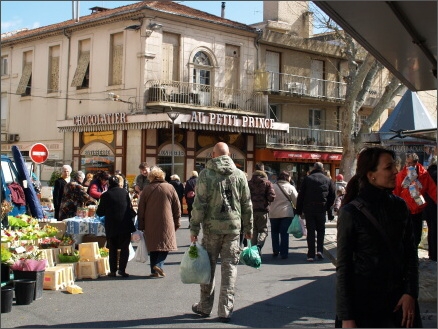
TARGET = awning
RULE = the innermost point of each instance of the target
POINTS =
(402, 35)
(294, 155)
(117, 126)
(234, 129)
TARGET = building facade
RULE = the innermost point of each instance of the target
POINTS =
(163, 83)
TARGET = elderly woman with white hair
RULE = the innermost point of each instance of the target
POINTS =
(159, 214)
(179, 188)
(58, 188)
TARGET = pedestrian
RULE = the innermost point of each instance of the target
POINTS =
(413, 182)
(340, 192)
(58, 188)
(340, 181)
(315, 198)
(223, 207)
(124, 183)
(179, 188)
(88, 178)
(80, 177)
(99, 184)
(430, 214)
(74, 196)
(115, 205)
(281, 213)
(189, 192)
(377, 261)
(142, 179)
(159, 215)
(262, 194)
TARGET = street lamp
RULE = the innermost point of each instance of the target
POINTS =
(173, 115)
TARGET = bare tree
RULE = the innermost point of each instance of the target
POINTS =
(361, 73)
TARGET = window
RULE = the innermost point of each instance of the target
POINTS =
(116, 59)
(232, 64)
(201, 77)
(4, 66)
(25, 85)
(81, 79)
(53, 79)
(170, 56)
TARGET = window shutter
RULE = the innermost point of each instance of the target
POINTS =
(27, 72)
(84, 60)
(117, 65)
(54, 74)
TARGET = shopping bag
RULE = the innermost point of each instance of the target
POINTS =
(131, 252)
(303, 226)
(295, 227)
(195, 265)
(141, 254)
(250, 256)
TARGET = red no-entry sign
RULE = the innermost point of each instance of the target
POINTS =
(38, 153)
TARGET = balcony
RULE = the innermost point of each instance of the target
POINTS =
(303, 139)
(199, 97)
(296, 85)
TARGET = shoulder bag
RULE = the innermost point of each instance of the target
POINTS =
(287, 196)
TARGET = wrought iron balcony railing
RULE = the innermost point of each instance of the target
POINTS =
(199, 95)
(304, 137)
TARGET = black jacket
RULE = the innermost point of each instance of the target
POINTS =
(316, 195)
(115, 205)
(190, 186)
(179, 188)
(371, 278)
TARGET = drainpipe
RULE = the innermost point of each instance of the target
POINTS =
(68, 36)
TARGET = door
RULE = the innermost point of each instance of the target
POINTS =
(316, 78)
(273, 69)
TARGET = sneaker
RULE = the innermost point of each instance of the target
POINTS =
(155, 276)
(310, 259)
(159, 270)
(195, 310)
(319, 255)
(123, 274)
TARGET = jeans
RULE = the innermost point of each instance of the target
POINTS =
(280, 237)
(157, 258)
(315, 222)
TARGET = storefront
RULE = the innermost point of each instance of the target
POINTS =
(121, 141)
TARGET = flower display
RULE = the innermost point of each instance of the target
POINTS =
(27, 257)
(6, 208)
(49, 242)
(22, 221)
(6, 256)
(67, 240)
(50, 230)
(104, 252)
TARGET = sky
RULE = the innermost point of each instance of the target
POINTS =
(17, 15)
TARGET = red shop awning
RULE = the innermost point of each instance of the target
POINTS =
(307, 155)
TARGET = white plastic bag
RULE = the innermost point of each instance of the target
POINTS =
(141, 254)
(195, 265)
(131, 252)
(303, 226)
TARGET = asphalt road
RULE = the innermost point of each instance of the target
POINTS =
(282, 293)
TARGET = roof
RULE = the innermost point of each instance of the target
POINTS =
(402, 35)
(408, 114)
(168, 7)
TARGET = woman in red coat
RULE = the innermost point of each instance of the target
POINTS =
(159, 213)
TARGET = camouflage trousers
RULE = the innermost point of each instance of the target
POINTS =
(227, 246)
(260, 230)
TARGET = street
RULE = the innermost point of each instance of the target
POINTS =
(282, 293)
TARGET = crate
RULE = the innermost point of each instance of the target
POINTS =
(68, 275)
(103, 266)
(47, 254)
(66, 249)
(73, 267)
(89, 251)
(54, 278)
(87, 270)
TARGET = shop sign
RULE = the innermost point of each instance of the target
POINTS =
(222, 119)
(166, 151)
(99, 119)
(307, 155)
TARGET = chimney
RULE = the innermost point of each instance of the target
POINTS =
(223, 9)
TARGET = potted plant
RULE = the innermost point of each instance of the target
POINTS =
(6, 262)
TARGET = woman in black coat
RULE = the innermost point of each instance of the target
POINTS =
(377, 264)
(115, 205)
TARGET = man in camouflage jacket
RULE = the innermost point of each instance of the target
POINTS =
(262, 194)
(223, 207)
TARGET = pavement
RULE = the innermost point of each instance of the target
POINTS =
(428, 277)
